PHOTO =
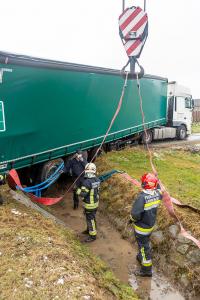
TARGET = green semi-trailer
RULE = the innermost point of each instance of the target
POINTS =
(49, 109)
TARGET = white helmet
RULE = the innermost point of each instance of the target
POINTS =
(90, 168)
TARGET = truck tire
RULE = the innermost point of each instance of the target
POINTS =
(49, 168)
(146, 139)
(181, 132)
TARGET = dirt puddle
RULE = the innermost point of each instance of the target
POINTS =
(118, 253)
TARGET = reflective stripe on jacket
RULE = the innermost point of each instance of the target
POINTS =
(144, 211)
(90, 192)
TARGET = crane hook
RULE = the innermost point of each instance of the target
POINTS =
(133, 31)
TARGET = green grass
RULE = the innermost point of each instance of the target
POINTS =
(179, 171)
(35, 253)
(196, 128)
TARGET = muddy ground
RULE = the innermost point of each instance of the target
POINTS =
(117, 252)
(44, 260)
(177, 258)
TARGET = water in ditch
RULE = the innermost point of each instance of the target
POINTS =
(118, 253)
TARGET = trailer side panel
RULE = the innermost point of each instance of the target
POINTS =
(51, 112)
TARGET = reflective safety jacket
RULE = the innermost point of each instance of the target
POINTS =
(144, 211)
(90, 192)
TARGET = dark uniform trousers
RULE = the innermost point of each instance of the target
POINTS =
(75, 196)
(144, 253)
(91, 222)
(77, 168)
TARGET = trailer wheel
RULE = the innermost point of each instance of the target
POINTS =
(49, 168)
(146, 138)
(181, 132)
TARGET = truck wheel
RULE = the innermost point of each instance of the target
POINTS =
(146, 138)
(49, 168)
(181, 132)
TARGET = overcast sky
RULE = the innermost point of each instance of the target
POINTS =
(86, 31)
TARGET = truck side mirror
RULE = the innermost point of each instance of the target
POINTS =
(192, 103)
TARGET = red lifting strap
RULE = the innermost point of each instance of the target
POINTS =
(14, 181)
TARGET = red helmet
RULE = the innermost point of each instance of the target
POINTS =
(149, 181)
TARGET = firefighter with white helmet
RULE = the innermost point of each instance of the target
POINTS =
(143, 215)
(89, 191)
(90, 168)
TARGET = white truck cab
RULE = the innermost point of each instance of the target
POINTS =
(180, 108)
(179, 114)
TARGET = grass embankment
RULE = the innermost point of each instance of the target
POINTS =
(41, 260)
(178, 170)
(196, 128)
(180, 173)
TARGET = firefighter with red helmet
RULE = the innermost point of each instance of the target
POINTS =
(143, 215)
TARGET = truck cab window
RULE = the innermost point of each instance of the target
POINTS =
(181, 103)
(188, 103)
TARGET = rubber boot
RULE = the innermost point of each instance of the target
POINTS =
(143, 273)
(85, 231)
(90, 239)
(139, 259)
